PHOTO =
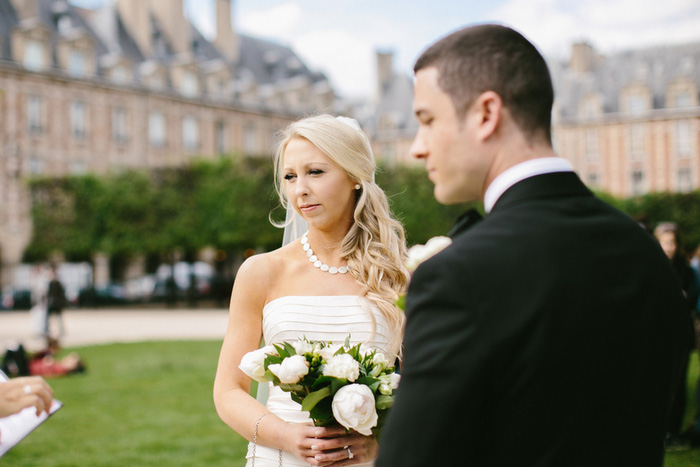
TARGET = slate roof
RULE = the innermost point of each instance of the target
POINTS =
(656, 67)
(263, 61)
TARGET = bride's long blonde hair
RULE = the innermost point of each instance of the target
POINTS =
(375, 245)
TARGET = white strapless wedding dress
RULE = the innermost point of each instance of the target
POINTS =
(323, 318)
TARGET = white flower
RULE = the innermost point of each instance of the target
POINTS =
(394, 380)
(342, 366)
(419, 253)
(328, 352)
(388, 383)
(381, 359)
(291, 370)
(365, 350)
(353, 407)
(252, 363)
(302, 347)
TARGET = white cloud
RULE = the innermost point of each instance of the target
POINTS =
(279, 22)
(346, 58)
(553, 25)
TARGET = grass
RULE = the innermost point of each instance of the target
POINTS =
(150, 404)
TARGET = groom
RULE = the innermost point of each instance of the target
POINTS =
(551, 332)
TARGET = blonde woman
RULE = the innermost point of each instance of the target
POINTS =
(340, 278)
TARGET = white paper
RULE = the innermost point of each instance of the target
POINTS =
(15, 427)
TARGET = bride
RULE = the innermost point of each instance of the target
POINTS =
(339, 279)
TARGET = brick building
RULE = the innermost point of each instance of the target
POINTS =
(630, 122)
(132, 84)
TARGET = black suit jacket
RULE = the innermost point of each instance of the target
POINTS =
(549, 334)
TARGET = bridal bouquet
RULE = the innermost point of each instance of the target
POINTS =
(352, 386)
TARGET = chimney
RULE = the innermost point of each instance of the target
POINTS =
(583, 57)
(135, 17)
(171, 17)
(25, 8)
(226, 38)
(385, 70)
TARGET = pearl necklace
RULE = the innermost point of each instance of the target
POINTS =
(317, 262)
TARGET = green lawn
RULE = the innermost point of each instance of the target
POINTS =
(150, 404)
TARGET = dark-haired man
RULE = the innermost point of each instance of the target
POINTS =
(551, 332)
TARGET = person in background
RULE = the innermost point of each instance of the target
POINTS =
(669, 237)
(55, 302)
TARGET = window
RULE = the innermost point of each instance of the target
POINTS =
(33, 55)
(683, 138)
(592, 180)
(190, 132)
(682, 99)
(34, 114)
(156, 129)
(36, 165)
(78, 119)
(189, 86)
(78, 167)
(636, 104)
(119, 125)
(638, 187)
(635, 142)
(220, 137)
(249, 139)
(76, 64)
(120, 74)
(685, 180)
(592, 144)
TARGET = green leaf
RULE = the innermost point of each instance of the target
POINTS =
(290, 348)
(322, 381)
(314, 398)
(338, 383)
(372, 383)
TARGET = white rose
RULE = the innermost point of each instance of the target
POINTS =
(302, 347)
(291, 370)
(353, 407)
(419, 253)
(252, 363)
(328, 352)
(342, 366)
(394, 380)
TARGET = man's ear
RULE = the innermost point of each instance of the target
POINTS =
(488, 109)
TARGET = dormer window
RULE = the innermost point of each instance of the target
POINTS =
(120, 74)
(76, 64)
(189, 86)
(33, 55)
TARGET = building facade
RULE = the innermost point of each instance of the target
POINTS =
(132, 85)
(630, 122)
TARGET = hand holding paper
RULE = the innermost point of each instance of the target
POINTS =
(20, 393)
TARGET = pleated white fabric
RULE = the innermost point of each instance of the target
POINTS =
(322, 318)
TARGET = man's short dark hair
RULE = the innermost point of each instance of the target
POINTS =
(491, 57)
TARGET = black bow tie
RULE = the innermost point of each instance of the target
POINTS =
(465, 222)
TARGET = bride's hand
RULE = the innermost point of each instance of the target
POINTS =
(336, 451)
(314, 444)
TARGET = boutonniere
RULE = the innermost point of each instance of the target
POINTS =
(417, 254)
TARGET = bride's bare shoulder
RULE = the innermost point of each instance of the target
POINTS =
(263, 267)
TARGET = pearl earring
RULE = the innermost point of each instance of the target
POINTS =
(357, 186)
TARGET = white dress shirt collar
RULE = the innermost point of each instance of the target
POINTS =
(519, 172)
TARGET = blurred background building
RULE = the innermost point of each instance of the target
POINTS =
(630, 122)
(129, 85)
(135, 85)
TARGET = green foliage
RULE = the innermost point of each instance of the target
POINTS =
(150, 404)
(653, 208)
(411, 200)
(224, 204)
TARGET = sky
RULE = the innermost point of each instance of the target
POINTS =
(340, 37)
